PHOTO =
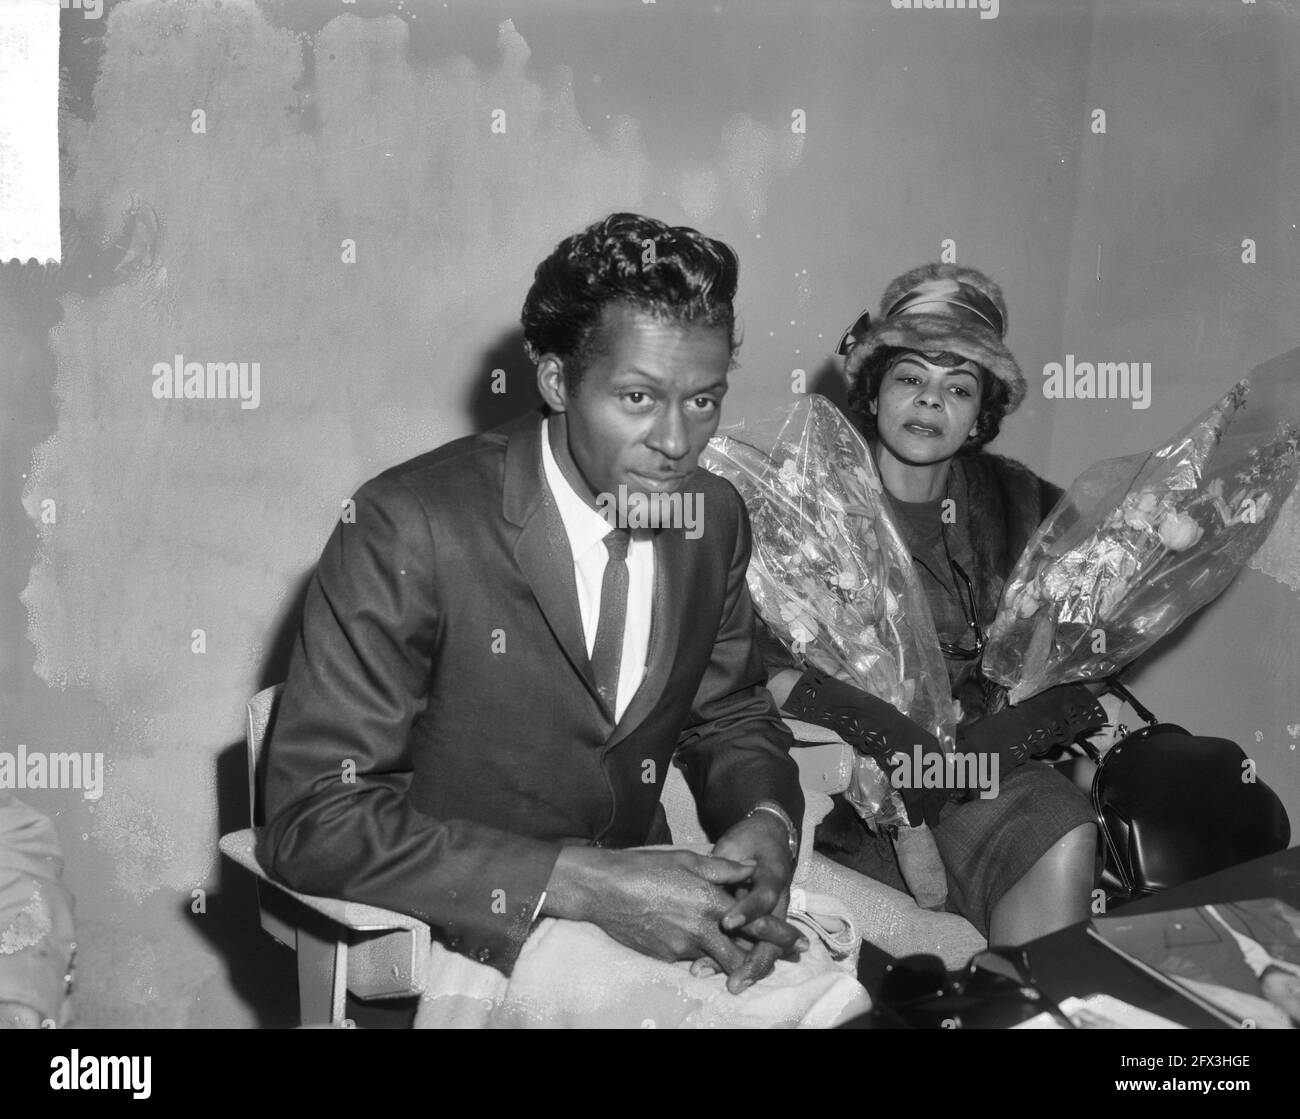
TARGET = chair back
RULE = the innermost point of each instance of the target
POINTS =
(261, 709)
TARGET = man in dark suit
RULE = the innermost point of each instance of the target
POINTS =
(489, 684)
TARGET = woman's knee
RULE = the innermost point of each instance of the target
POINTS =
(1074, 853)
(1081, 841)
(1070, 859)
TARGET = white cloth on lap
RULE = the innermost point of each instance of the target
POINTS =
(570, 974)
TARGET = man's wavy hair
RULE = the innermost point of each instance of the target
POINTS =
(690, 279)
(994, 397)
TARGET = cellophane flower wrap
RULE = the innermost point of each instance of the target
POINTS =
(1140, 543)
(830, 575)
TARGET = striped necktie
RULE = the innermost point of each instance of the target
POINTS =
(607, 653)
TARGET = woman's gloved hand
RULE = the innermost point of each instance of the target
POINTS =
(1029, 729)
(871, 726)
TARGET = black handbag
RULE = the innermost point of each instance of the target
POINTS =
(1173, 806)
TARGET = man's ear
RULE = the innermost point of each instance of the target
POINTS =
(550, 382)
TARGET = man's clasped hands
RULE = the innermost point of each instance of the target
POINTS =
(725, 911)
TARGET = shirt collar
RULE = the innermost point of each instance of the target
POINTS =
(583, 525)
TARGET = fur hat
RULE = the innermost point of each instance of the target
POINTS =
(939, 307)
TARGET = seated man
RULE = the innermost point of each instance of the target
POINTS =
(490, 684)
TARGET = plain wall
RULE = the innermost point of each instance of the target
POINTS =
(375, 126)
(1201, 154)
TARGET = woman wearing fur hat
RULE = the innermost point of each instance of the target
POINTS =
(930, 381)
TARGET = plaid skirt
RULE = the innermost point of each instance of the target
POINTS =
(987, 845)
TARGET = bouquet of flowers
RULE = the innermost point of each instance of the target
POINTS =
(1140, 543)
(830, 575)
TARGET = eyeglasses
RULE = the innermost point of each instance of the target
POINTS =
(951, 649)
(995, 991)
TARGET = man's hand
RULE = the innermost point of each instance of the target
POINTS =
(1282, 989)
(759, 911)
(665, 904)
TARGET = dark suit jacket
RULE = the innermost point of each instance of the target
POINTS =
(440, 736)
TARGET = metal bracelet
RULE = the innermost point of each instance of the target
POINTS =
(792, 833)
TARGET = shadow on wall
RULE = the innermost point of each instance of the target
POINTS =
(504, 365)
(828, 381)
(261, 971)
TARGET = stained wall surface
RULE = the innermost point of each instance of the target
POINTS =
(354, 199)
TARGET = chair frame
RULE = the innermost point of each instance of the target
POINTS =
(341, 946)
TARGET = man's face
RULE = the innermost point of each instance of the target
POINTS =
(924, 412)
(647, 405)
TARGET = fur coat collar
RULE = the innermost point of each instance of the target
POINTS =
(1003, 502)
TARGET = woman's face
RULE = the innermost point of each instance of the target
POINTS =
(924, 412)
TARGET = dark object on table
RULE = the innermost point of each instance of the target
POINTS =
(1173, 806)
(996, 990)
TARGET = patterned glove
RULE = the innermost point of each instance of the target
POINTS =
(1028, 730)
(871, 726)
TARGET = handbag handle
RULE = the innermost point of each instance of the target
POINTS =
(1116, 688)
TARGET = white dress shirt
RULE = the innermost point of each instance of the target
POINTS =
(586, 530)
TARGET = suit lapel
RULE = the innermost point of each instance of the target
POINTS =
(544, 557)
(542, 549)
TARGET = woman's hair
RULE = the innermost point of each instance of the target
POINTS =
(994, 398)
(672, 273)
